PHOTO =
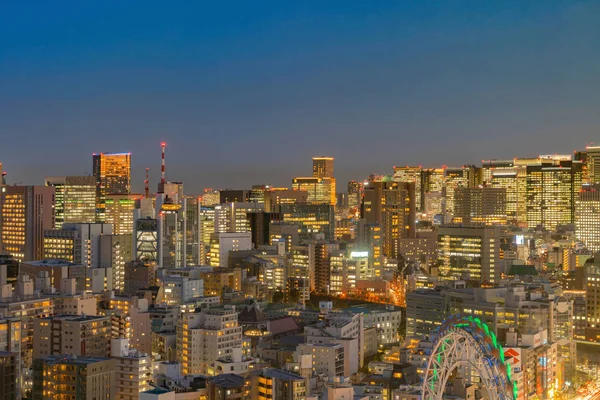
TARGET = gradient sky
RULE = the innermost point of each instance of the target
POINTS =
(246, 92)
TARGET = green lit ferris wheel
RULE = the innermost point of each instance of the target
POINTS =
(465, 343)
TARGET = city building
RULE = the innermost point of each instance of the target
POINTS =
(67, 377)
(227, 387)
(26, 212)
(74, 199)
(139, 275)
(391, 205)
(76, 243)
(78, 335)
(312, 219)
(112, 173)
(552, 191)
(171, 235)
(465, 176)
(178, 289)
(470, 253)
(9, 374)
(274, 198)
(587, 217)
(592, 164)
(133, 370)
(222, 243)
(118, 211)
(480, 205)
(416, 176)
(321, 190)
(26, 308)
(206, 336)
(146, 239)
(274, 383)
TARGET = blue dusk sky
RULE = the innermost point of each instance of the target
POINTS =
(246, 92)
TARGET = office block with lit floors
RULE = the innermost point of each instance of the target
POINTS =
(112, 172)
(74, 199)
(26, 212)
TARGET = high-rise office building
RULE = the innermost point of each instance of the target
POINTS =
(66, 377)
(552, 190)
(323, 166)
(592, 297)
(210, 197)
(465, 176)
(321, 185)
(319, 267)
(391, 205)
(192, 231)
(480, 205)
(592, 164)
(74, 199)
(145, 238)
(76, 243)
(506, 174)
(119, 212)
(321, 190)
(222, 243)
(170, 236)
(274, 198)
(470, 253)
(355, 191)
(312, 219)
(233, 196)
(415, 175)
(112, 172)
(587, 217)
(26, 212)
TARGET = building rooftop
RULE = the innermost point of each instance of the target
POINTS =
(280, 374)
(72, 360)
(50, 262)
(76, 318)
(157, 390)
(228, 380)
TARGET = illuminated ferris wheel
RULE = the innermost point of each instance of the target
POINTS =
(465, 343)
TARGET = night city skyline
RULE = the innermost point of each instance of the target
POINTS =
(246, 95)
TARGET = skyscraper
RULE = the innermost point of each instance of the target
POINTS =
(480, 205)
(112, 172)
(391, 205)
(119, 212)
(470, 252)
(592, 162)
(321, 190)
(26, 212)
(587, 217)
(412, 174)
(321, 186)
(552, 189)
(74, 199)
(323, 167)
(465, 176)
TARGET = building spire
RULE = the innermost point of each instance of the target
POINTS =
(147, 184)
(163, 180)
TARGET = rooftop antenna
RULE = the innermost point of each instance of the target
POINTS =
(146, 183)
(162, 178)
